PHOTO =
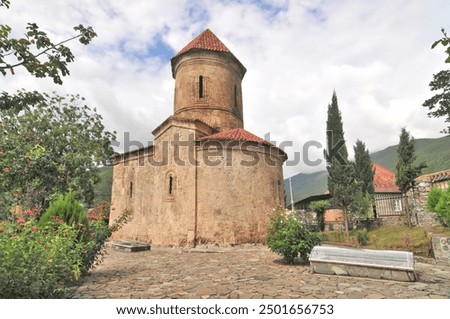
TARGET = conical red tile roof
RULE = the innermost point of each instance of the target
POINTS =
(238, 134)
(206, 40)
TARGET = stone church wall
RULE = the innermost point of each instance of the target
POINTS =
(235, 201)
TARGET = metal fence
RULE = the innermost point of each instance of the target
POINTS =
(390, 205)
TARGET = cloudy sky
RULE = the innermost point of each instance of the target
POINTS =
(376, 55)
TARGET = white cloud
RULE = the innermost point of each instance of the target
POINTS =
(375, 54)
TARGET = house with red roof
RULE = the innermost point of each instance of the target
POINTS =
(388, 197)
(389, 205)
(205, 179)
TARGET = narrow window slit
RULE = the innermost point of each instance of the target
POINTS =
(200, 86)
(170, 185)
(131, 189)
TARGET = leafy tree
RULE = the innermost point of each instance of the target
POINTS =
(51, 148)
(406, 170)
(443, 208)
(439, 104)
(39, 55)
(102, 191)
(433, 198)
(341, 180)
(319, 207)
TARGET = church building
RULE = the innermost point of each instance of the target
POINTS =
(205, 179)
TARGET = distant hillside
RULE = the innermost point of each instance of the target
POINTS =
(102, 191)
(434, 152)
(305, 185)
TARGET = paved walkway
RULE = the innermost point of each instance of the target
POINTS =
(241, 272)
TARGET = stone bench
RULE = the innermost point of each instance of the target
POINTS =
(379, 264)
(130, 246)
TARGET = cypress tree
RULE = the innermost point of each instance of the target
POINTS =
(336, 149)
(364, 173)
(341, 182)
(406, 170)
(363, 168)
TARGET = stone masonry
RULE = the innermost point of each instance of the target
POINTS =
(417, 198)
(441, 249)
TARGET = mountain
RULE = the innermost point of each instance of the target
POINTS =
(435, 152)
(305, 185)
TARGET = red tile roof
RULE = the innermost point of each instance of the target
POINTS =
(435, 177)
(384, 180)
(205, 41)
(238, 134)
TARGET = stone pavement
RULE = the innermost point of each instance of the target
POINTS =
(248, 271)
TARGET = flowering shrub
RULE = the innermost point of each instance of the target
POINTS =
(37, 262)
(99, 232)
(290, 238)
(40, 260)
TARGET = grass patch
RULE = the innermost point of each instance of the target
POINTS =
(415, 239)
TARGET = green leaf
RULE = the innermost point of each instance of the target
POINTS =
(436, 43)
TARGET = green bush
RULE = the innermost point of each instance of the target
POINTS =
(443, 208)
(433, 198)
(362, 236)
(288, 237)
(38, 262)
(68, 210)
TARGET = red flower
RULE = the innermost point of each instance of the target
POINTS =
(57, 219)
